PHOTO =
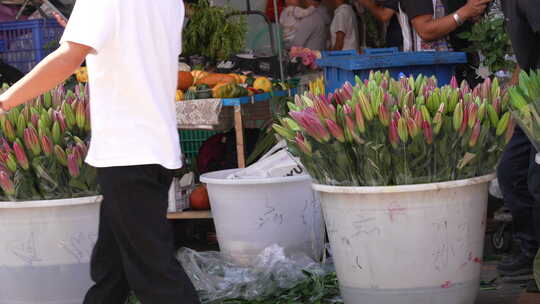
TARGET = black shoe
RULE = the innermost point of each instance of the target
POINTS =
(532, 287)
(519, 266)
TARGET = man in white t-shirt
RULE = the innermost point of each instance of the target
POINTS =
(344, 27)
(131, 50)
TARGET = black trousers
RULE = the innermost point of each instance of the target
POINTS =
(519, 179)
(135, 251)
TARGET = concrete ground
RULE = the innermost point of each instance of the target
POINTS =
(505, 291)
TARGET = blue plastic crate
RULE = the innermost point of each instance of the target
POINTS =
(342, 66)
(25, 43)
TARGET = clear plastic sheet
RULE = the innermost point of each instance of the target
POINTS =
(217, 279)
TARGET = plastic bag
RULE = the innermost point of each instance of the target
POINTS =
(278, 162)
(218, 279)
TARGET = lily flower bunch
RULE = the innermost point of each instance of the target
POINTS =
(383, 131)
(43, 146)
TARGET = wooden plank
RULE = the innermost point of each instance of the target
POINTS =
(239, 128)
(187, 215)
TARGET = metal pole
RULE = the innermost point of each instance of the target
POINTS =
(278, 39)
(248, 5)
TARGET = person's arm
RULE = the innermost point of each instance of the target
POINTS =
(383, 14)
(50, 72)
(432, 29)
(340, 41)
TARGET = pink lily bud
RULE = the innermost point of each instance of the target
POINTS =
(464, 88)
(9, 131)
(351, 132)
(454, 83)
(384, 115)
(60, 155)
(7, 184)
(497, 105)
(465, 121)
(80, 115)
(335, 130)
(472, 114)
(412, 127)
(403, 130)
(46, 145)
(308, 121)
(348, 89)
(428, 132)
(73, 165)
(87, 125)
(34, 119)
(21, 155)
(510, 130)
(418, 119)
(303, 144)
(80, 150)
(393, 135)
(11, 162)
(31, 141)
(475, 134)
(359, 117)
(437, 123)
(347, 110)
(384, 84)
(298, 101)
(4, 145)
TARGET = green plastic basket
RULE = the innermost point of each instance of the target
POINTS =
(192, 140)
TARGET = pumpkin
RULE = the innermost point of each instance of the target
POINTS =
(190, 95)
(179, 95)
(213, 79)
(185, 80)
(198, 75)
(199, 199)
(263, 84)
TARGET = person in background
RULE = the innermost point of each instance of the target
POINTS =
(434, 25)
(290, 17)
(132, 50)
(312, 31)
(386, 11)
(434, 20)
(344, 28)
(518, 172)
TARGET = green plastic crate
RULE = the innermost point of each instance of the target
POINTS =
(192, 140)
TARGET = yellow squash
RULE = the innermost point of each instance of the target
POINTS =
(262, 83)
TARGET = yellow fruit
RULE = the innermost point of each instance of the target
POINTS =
(179, 95)
(262, 83)
(82, 74)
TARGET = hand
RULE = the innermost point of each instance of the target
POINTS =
(473, 8)
(3, 105)
(60, 19)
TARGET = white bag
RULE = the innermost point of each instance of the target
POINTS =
(278, 162)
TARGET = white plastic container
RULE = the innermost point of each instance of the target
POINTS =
(252, 214)
(45, 249)
(414, 244)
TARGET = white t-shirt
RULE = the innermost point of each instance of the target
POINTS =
(345, 21)
(133, 75)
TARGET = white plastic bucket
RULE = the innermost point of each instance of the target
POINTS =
(45, 249)
(252, 214)
(414, 244)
